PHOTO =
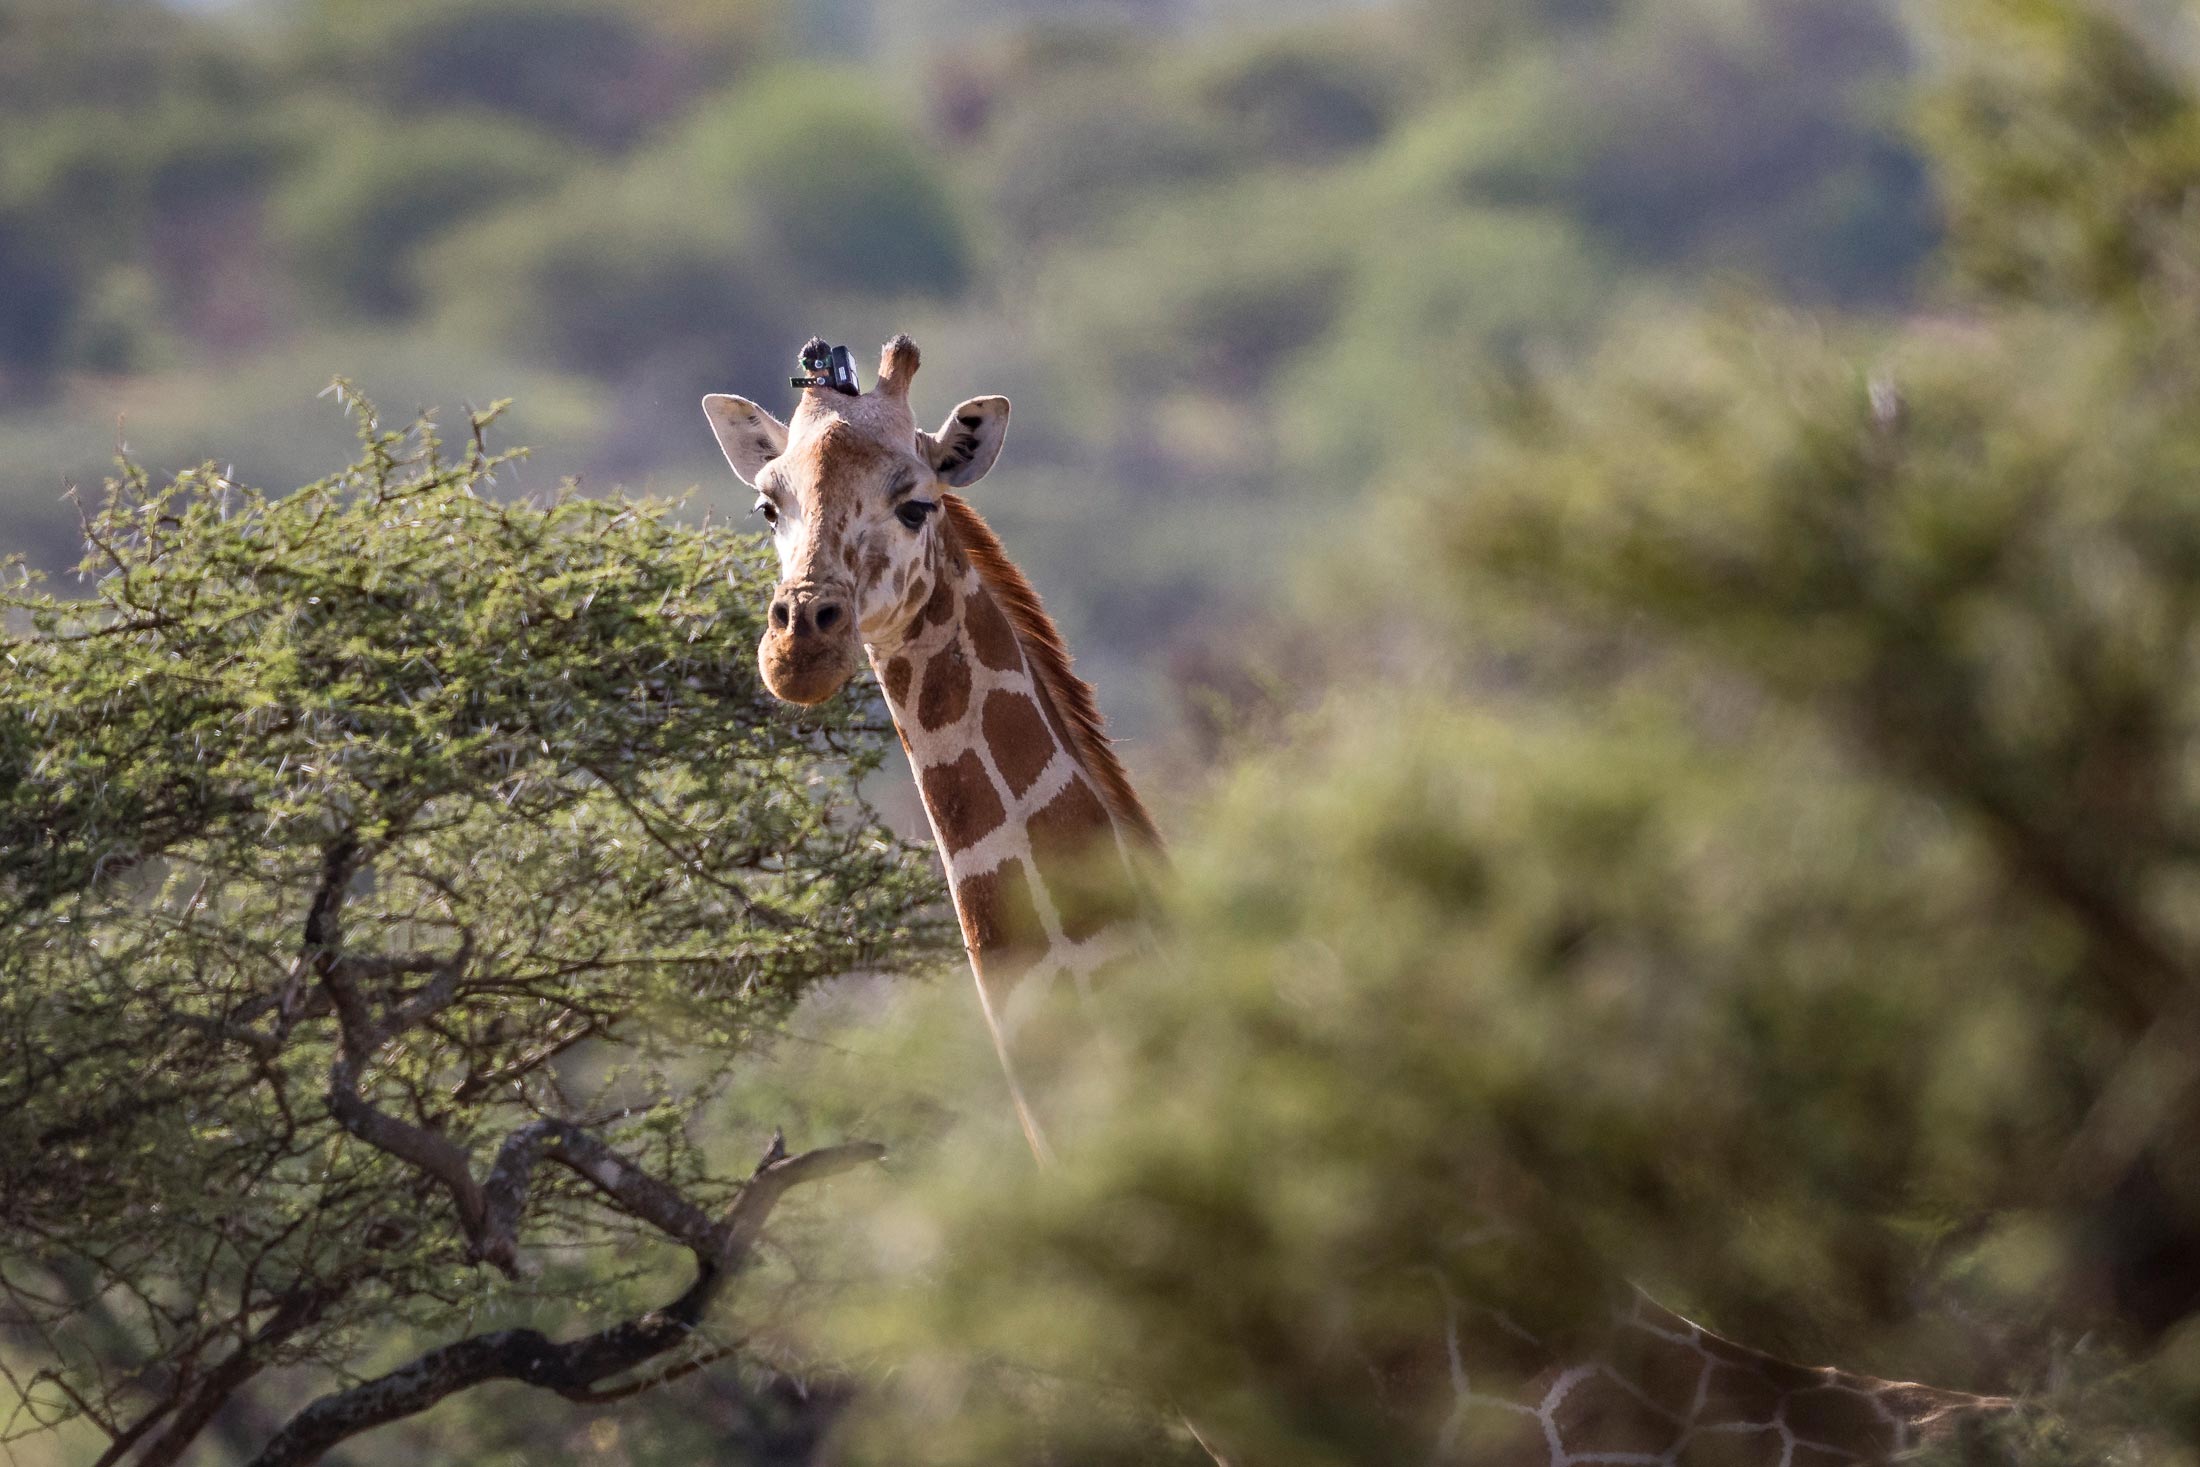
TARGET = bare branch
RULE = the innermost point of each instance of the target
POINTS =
(576, 1368)
(198, 1404)
(635, 1191)
(775, 1175)
(438, 1156)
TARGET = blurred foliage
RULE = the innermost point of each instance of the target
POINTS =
(599, 75)
(847, 201)
(1777, 890)
(353, 221)
(2042, 207)
(1186, 229)
(386, 804)
(1739, 137)
(610, 272)
(114, 55)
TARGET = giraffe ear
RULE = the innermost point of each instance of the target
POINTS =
(967, 442)
(750, 436)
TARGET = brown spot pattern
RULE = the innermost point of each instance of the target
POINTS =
(997, 909)
(946, 692)
(990, 633)
(1592, 1419)
(1736, 1396)
(1018, 738)
(1490, 1436)
(1780, 1373)
(963, 802)
(1069, 826)
(1734, 1449)
(1494, 1354)
(1833, 1415)
(1000, 969)
(897, 681)
(1054, 721)
(1070, 840)
(941, 607)
(1663, 1370)
(1807, 1455)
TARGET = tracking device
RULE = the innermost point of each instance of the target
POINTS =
(828, 366)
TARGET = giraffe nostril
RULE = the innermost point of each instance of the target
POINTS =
(827, 616)
(779, 615)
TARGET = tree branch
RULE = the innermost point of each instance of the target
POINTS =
(198, 1404)
(362, 1034)
(777, 1174)
(638, 1193)
(575, 1368)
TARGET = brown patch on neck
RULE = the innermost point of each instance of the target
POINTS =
(1021, 742)
(1000, 922)
(1069, 695)
(965, 808)
(945, 692)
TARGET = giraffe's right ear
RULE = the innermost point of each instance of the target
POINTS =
(750, 436)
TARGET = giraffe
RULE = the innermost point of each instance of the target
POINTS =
(1048, 849)
(1039, 828)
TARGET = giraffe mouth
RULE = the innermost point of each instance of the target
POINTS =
(809, 650)
(806, 670)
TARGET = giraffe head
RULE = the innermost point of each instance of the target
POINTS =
(851, 489)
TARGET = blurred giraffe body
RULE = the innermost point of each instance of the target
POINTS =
(1044, 839)
(1668, 1391)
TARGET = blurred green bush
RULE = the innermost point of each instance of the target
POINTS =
(843, 196)
(355, 218)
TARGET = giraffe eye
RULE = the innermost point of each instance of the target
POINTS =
(912, 512)
(768, 510)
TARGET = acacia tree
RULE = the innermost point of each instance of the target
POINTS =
(390, 877)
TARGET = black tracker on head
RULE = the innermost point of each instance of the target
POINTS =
(827, 366)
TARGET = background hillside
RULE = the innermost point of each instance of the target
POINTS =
(1240, 265)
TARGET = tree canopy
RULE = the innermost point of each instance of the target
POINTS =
(365, 849)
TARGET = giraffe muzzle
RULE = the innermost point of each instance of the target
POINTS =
(809, 650)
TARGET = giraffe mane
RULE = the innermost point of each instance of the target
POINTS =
(1070, 695)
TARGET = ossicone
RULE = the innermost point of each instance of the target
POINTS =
(897, 366)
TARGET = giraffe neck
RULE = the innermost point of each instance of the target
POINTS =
(1042, 876)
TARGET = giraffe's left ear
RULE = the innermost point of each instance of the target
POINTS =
(967, 442)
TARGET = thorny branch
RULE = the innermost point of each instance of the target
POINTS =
(491, 1212)
(576, 1368)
